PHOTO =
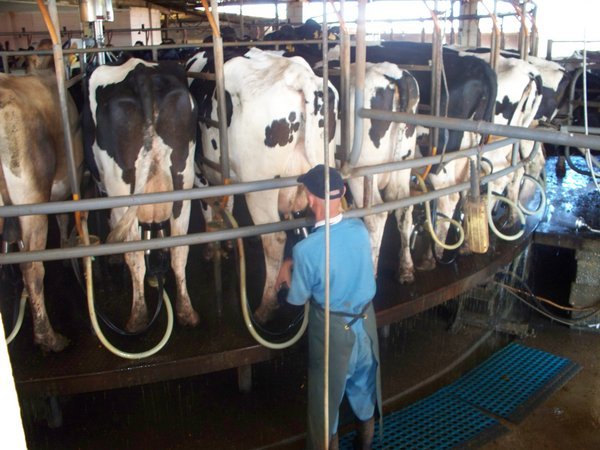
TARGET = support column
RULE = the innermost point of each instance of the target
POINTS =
(294, 12)
(468, 30)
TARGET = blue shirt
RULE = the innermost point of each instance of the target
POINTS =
(352, 278)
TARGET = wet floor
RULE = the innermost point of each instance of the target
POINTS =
(209, 412)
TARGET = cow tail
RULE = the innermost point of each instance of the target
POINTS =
(121, 229)
(10, 227)
(486, 112)
(407, 101)
(409, 93)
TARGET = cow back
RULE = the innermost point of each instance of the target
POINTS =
(140, 131)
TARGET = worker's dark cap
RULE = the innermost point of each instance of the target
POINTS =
(314, 180)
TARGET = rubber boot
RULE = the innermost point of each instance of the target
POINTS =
(334, 443)
(364, 439)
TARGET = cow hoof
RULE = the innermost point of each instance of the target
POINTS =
(427, 264)
(406, 278)
(188, 318)
(265, 312)
(52, 343)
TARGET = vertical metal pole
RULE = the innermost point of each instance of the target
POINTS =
(62, 94)
(221, 105)
(345, 94)
(327, 223)
(242, 30)
(99, 36)
(436, 75)
(549, 50)
(359, 94)
(534, 38)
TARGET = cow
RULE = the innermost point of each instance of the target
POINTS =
(519, 95)
(275, 125)
(555, 82)
(471, 93)
(389, 88)
(140, 123)
(34, 170)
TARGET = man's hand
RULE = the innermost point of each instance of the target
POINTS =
(284, 277)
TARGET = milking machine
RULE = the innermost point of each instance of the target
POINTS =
(94, 319)
(10, 236)
(476, 224)
(250, 324)
(429, 222)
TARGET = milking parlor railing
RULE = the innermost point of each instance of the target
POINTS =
(553, 137)
(559, 138)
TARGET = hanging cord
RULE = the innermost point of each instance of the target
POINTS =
(250, 324)
(588, 156)
(534, 302)
(21, 314)
(11, 234)
(592, 159)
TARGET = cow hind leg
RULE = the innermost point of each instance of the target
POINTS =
(139, 311)
(406, 269)
(34, 230)
(263, 209)
(375, 223)
(186, 315)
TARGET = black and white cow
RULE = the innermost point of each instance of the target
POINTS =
(471, 93)
(555, 82)
(141, 136)
(275, 123)
(519, 95)
(388, 88)
(34, 170)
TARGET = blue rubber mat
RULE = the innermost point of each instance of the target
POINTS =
(462, 415)
(514, 381)
(439, 421)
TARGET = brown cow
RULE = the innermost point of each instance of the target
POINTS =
(34, 170)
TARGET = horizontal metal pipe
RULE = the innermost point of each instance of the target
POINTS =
(231, 189)
(481, 127)
(579, 129)
(223, 235)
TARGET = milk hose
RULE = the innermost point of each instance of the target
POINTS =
(514, 206)
(428, 222)
(542, 204)
(17, 328)
(22, 302)
(244, 300)
(90, 301)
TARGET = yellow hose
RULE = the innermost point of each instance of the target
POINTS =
(510, 203)
(542, 204)
(428, 223)
(90, 301)
(244, 301)
(17, 328)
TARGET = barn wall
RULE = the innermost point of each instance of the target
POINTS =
(35, 29)
(32, 22)
(149, 18)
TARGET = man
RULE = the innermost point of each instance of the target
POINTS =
(354, 351)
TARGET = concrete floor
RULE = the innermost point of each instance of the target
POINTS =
(208, 412)
(571, 417)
